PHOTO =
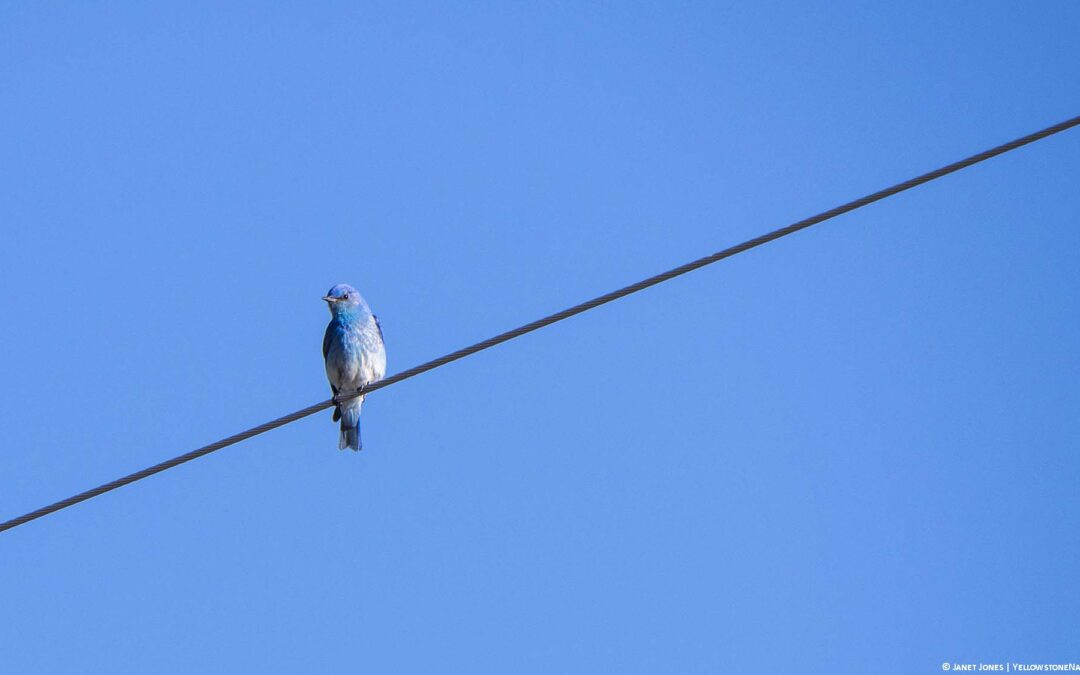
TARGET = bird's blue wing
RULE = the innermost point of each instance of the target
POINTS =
(378, 326)
(325, 351)
(326, 340)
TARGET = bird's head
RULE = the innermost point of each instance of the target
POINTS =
(343, 299)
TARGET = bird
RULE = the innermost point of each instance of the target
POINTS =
(355, 357)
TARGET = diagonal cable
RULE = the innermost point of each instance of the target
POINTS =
(548, 320)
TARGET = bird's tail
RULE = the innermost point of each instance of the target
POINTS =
(350, 438)
(350, 426)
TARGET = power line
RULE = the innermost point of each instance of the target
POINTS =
(548, 320)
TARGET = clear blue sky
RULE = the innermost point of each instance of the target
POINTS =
(855, 450)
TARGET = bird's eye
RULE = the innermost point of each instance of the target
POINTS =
(345, 297)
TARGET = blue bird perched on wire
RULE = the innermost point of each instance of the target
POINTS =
(355, 356)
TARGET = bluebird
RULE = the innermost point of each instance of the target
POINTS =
(355, 356)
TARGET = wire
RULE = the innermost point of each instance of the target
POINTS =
(548, 320)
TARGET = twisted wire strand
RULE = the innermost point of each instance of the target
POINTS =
(548, 320)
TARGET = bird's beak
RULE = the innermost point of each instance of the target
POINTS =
(329, 298)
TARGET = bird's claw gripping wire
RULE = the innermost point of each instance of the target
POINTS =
(343, 398)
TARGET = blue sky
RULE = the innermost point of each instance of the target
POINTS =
(855, 449)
